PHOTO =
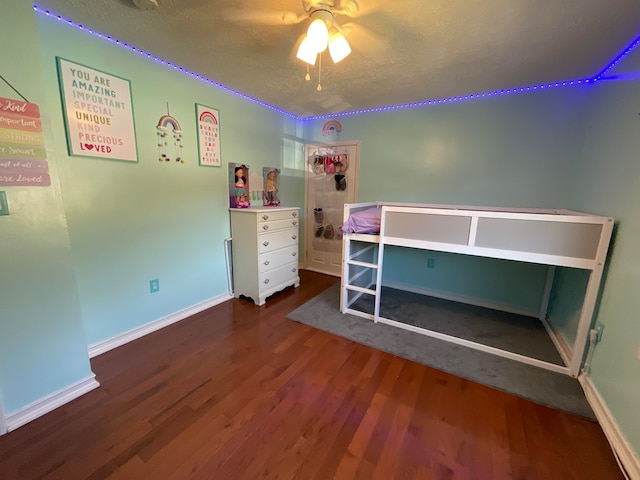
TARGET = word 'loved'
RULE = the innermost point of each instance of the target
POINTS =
(95, 147)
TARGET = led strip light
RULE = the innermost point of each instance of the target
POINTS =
(403, 106)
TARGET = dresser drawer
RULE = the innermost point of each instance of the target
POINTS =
(273, 225)
(277, 215)
(277, 276)
(277, 258)
(267, 242)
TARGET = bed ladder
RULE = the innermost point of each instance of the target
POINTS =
(359, 273)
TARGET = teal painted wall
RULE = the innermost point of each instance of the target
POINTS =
(610, 185)
(42, 342)
(511, 151)
(130, 223)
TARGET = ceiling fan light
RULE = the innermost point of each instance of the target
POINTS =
(306, 52)
(339, 48)
(318, 35)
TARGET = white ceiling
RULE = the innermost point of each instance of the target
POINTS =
(403, 51)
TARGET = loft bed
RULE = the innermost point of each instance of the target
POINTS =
(548, 237)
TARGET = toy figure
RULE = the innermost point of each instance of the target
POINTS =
(271, 189)
(240, 190)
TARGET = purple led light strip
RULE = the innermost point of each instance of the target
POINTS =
(424, 103)
(221, 86)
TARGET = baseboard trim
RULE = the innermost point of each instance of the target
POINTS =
(50, 402)
(621, 447)
(3, 422)
(503, 307)
(135, 333)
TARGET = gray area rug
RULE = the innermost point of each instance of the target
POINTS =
(536, 384)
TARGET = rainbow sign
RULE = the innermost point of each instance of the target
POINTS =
(169, 120)
(208, 117)
(332, 127)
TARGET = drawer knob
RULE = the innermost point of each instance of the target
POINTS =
(293, 237)
(293, 270)
(265, 227)
(294, 222)
(266, 280)
(293, 254)
(266, 262)
(294, 214)
(265, 217)
(265, 243)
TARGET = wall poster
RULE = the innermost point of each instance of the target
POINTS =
(208, 135)
(98, 112)
(23, 157)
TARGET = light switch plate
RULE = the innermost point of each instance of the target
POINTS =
(4, 206)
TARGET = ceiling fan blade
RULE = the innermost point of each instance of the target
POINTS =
(357, 8)
(364, 40)
(264, 17)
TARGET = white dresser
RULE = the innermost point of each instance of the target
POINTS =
(265, 250)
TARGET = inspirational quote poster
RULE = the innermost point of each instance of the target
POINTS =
(23, 157)
(98, 112)
(208, 135)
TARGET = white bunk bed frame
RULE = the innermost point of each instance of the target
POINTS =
(549, 237)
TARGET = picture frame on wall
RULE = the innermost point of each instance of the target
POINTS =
(208, 121)
(98, 112)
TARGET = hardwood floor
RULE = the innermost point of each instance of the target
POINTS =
(240, 392)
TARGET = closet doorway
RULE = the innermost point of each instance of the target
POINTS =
(331, 180)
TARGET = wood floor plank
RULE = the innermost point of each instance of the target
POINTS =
(241, 392)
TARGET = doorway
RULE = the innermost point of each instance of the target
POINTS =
(331, 180)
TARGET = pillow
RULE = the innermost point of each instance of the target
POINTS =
(364, 221)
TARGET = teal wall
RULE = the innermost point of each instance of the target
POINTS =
(130, 223)
(42, 342)
(610, 184)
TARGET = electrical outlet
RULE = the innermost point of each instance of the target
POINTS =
(431, 263)
(599, 329)
(154, 285)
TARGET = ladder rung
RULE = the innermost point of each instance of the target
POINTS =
(360, 289)
(362, 264)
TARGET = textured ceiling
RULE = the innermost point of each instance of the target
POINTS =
(403, 51)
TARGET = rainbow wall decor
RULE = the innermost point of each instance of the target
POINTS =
(168, 127)
(332, 127)
(208, 136)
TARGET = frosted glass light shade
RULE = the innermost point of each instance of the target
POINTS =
(339, 48)
(318, 35)
(306, 52)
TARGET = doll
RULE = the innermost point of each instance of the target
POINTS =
(240, 193)
(271, 189)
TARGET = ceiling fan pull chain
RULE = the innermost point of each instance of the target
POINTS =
(307, 77)
(319, 88)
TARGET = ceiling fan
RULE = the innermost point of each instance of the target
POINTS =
(324, 31)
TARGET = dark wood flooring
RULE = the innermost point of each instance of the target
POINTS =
(240, 392)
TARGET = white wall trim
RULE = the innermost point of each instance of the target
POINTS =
(50, 402)
(3, 423)
(503, 307)
(135, 333)
(619, 443)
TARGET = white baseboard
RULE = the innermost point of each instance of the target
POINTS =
(135, 333)
(621, 447)
(3, 422)
(50, 402)
(503, 307)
